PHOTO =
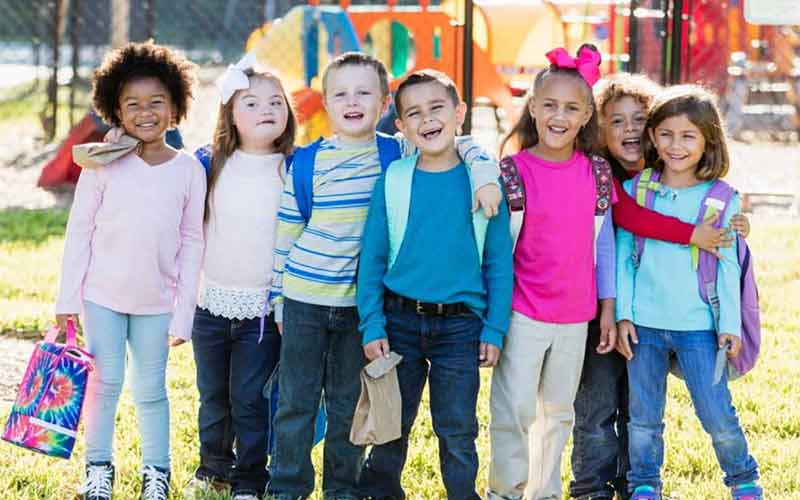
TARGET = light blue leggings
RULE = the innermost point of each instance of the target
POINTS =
(107, 334)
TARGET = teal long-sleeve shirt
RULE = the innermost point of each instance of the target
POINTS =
(438, 260)
(663, 292)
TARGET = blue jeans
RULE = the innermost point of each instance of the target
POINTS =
(321, 348)
(647, 374)
(444, 350)
(109, 334)
(232, 368)
(600, 436)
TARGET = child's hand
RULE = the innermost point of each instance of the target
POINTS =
(176, 341)
(377, 348)
(490, 355)
(741, 224)
(61, 321)
(626, 333)
(709, 238)
(735, 344)
(114, 134)
(488, 197)
(608, 332)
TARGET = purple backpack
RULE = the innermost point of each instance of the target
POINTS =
(645, 184)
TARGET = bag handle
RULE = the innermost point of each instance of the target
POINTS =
(52, 334)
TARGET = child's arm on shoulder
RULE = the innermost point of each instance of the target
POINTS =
(650, 224)
(77, 245)
(606, 283)
(372, 267)
(485, 171)
(289, 228)
(190, 259)
(728, 280)
(498, 275)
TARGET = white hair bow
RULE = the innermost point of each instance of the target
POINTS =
(235, 77)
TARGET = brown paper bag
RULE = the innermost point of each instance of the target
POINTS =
(98, 154)
(378, 412)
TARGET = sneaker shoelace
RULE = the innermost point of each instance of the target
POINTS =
(156, 484)
(98, 482)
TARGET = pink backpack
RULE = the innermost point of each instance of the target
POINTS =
(645, 184)
(48, 407)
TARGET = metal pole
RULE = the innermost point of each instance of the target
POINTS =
(633, 38)
(75, 30)
(677, 42)
(467, 68)
(151, 19)
(120, 22)
(665, 40)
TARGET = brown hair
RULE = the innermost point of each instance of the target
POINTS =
(619, 85)
(700, 107)
(227, 140)
(142, 60)
(357, 59)
(426, 76)
(524, 134)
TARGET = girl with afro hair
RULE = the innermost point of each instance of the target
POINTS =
(132, 257)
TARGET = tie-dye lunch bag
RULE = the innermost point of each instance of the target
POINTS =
(48, 407)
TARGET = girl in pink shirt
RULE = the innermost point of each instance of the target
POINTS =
(563, 262)
(132, 257)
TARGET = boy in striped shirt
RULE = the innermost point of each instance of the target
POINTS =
(313, 290)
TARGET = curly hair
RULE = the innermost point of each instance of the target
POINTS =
(142, 60)
(619, 85)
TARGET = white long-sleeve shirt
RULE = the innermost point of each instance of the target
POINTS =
(240, 236)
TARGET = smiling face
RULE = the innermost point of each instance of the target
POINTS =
(624, 123)
(430, 118)
(145, 109)
(260, 115)
(680, 144)
(354, 101)
(560, 108)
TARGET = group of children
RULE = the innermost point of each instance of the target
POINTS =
(314, 260)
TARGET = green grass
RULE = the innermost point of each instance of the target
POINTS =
(767, 399)
(20, 107)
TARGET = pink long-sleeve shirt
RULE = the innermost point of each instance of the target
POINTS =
(135, 240)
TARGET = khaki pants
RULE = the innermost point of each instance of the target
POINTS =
(533, 391)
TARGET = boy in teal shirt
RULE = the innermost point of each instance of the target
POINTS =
(434, 285)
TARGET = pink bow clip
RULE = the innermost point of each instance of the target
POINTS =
(587, 63)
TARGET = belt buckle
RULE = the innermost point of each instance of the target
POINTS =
(419, 309)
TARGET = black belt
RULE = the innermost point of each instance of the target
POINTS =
(391, 299)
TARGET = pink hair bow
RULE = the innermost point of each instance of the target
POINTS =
(587, 63)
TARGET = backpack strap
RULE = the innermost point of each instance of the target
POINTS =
(203, 154)
(514, 190)
(645, 185)
(603, 179)
(714, 202)
(388, 150)
(302, 166)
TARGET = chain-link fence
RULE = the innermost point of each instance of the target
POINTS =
(48, 48)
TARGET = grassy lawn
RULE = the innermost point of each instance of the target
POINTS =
(768, 400)
(20, 107)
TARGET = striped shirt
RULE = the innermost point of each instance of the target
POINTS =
(316, 261)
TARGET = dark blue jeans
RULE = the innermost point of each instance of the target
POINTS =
(321, 349)
(232, 367)
(647, 372)
(600, 436)
(444, 350)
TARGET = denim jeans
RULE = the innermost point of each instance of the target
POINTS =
(647, 374)
(445, 351)
(600, 436)
(321, 348)
(108, 334)
(232, 368)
